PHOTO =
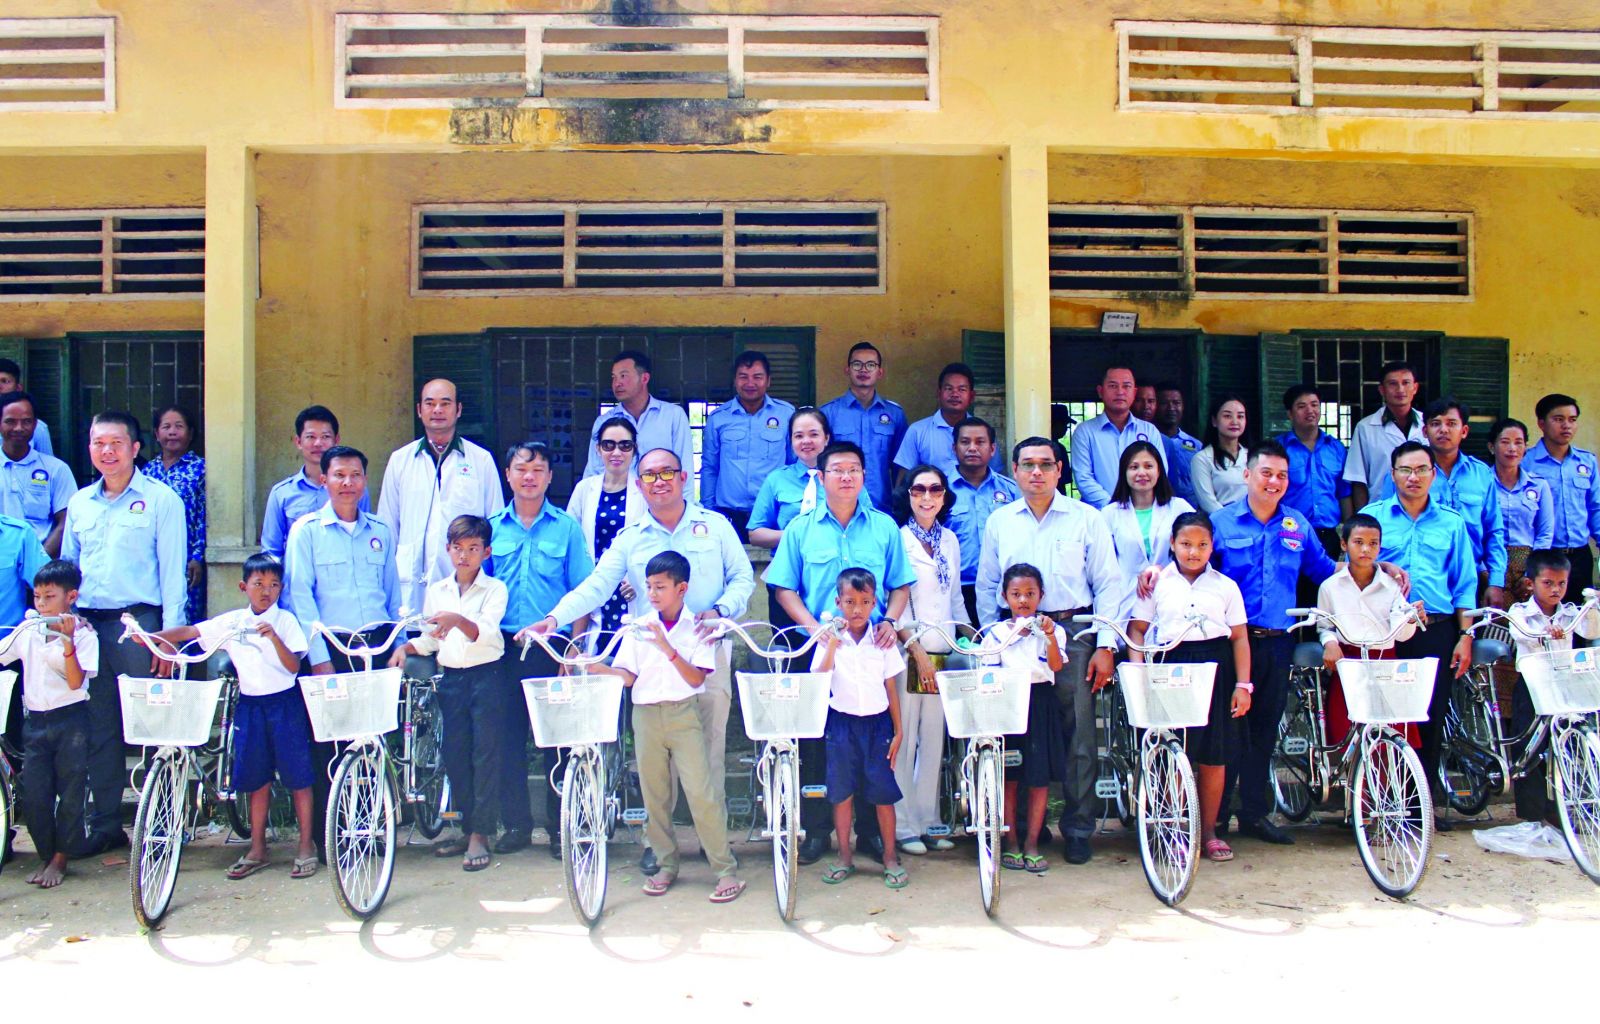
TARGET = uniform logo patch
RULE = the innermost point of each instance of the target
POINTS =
(883, 417)
(1532, 495)
(1291, 543)
(1191, 445)
(1290, 524)
(466, 469)
(137, 508)
(699, 529)
(1583, 470)
(772, 422)
(1000, 498)
(1141, 436)
(40, 476)
(375, 544)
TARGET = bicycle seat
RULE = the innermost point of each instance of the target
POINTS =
(420, 667)
(1308, 655)
(222, 666)
(1490, 651)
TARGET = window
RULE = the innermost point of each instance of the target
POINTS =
(86, 254)
(58, 64)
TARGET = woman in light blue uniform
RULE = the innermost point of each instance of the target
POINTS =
(1526, 504)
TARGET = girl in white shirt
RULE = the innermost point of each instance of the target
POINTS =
(1218, 471)
(1190, 587)
(922, 505)
(1141, 513)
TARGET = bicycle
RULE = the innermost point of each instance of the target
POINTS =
(1474, 757)
(1387, 796)
(8, 776)
(174, 716)
(1159, 700)
(1564, 686)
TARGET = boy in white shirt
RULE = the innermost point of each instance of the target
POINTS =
(464, 611)
(57, 663)
(863, 731)
(271, 733)
(666, 672)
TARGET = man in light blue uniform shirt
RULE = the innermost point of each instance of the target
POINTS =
(660, 424)
(978, 491)
(932, 441)
(1316, 469)
(743, 441)
(129, 536)
(1179, 446)
(1570, 471)
(36, 486)
(1526, 503)
(1097, 445)
(869, 421)
(316, 429)
(11, 380)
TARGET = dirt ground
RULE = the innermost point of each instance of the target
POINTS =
(1270, 929)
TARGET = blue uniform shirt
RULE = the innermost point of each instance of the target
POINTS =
(1572, 486)
(1180, 450)
(817, 547)
(878, 429)
(41, 440)
(539, 565)
(340, 577)
(783, 496)
(739, 449)
(36, 487)
(1316, 478)
(933, 441)
(1267, 559)
(1435, 549)
(1472, 490)
(132, 549)
(23, 555)
(971, 510)
(1097, 448)
(288, 500)
(1528, 510)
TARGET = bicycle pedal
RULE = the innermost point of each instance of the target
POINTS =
(635, 816)
(939, 830)
(739, 805)
(1013, 758)
(1106, 789)
(814, 792)
(1295, 746)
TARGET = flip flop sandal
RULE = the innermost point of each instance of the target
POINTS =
(657, 885)
(1218, 851)
(833, 874)
(728, 894)
(1035, 863)
(450, 848)
(1012, 861)
(895, 878)
(477, 863)
(244, 867)
(304, 867)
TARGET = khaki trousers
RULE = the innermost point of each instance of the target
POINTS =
(669, 736)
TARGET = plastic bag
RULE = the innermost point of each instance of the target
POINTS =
(1529, 839)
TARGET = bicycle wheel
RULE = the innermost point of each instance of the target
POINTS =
(583, 835)
(1292, 763)
(427, 760)
(1169, 821)
(783, 821)
(1576, 752)
(158, 834)
(1462, 769)
(8, 803)
(616, 776)
(988, 812)
(360, 832)
(1393, 812)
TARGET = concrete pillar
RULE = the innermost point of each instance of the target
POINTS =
(1025, 221)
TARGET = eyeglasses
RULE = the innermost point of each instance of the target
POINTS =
(925, 490)
(652, 475)
(845, 473)
(617, 446)
(1036, 467)
(1411, 471)
(863, 364)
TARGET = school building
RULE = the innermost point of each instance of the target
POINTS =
(253, 206)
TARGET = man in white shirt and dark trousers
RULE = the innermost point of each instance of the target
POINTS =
(660, 424)
(1398, 421)
(463, 614)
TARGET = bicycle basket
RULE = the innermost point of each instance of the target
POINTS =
(167, 712)
(8, 684)
(571, 711)
(1562, 682)
(1387, 692)
(1167, 695)
(352, 705)
(990, 701)
(783, 705)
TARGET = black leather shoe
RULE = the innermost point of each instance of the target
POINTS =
(647, 863)
(1267, 832)
(511, 841)
(1078, 850)
(812, 848)
(554, 849)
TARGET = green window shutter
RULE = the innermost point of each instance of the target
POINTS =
(1229, 365)
(792, 352)
(49, 379)
(16, 349)
(985, 352)
(1476, 371)
(1280, 371)
(465, 360)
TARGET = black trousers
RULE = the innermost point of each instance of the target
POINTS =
(474, 706)
(1249, 773)
(1531, 792)
(969, 594)
(1437, 641)
(1582, 559)
(53, 783)
(324, 755)
(740, 518)
(516, 810)
(108, 770)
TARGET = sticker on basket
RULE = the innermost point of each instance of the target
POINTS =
(1168, 677)
(1582, 661)
(786, 688)
(334, 688)
(558, 692)
(1405, 673)
(990, 684)
(158, 694)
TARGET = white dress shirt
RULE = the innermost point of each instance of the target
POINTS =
(1528, 616)
(1030, 655)
(1135, 551)
(1175, 598)
(930, 603)
(656, 678)
(1214, 487)
(1070, 547)
(44, 665)
(584, 505)
(1363, 614)
(419, 500)
(1374, 438)
(862, 674)
(484, 604)
(256, 663)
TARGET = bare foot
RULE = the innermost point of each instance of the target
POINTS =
(52, 874)
(33, 879)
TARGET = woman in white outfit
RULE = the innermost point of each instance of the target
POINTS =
(1140, 515)
(1218, 471)
(922, 506)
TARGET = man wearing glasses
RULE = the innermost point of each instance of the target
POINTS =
(932, 441)
(868, 420)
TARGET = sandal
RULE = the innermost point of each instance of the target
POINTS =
(450, 847)
(1035, 863)
(1218, 851)
(833, 874)
(477, 863)
(1011, 860)
(304, 867)
(727, 893)
(895, 877)
(657, 885)
(244, 867)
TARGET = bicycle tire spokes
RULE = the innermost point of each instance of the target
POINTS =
(1394, 814)
(1576, 752)
(1169, 820)
(360, 837)
(159, 833)
(583, 838)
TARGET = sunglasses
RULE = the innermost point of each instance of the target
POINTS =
(651, 476)
(923, 490)
(616, 446)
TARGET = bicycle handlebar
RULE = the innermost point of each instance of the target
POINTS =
(36, 622)
(363, 649)
(1026, 627)
(1315, 616)
(724, 626)
(1491, 616)
(174, 653)
(1097, 622)
(583, 661)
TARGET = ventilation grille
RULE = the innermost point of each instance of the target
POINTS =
(57, 64)
(666, 247)
(1251, 252)
(1420, 73)
(436, 60)
(52, 254)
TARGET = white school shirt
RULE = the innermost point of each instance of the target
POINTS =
(1364, 614)
(419, 500)
(928, 602)
(484, 604)
(656, 678)
(1029, 655)
(1528, 616)
(1174, 599)
(44, 665)
(1213, 486)
(861, 670)
(259, 670)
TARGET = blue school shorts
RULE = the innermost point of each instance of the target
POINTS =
(272, 734)
(858, 758)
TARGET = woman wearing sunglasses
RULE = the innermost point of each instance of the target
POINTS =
(607, 504)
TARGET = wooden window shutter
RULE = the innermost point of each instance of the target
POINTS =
(985, 352)
(1229, 365)
(792, 353)
(1280, 371)
(465, 360)
(48, 378)
(1476, 371)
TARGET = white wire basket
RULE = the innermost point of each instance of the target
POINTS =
(8, 685)
(1562, 682)
(989, 701)
(352, 705)
(1387, 692)
(1167, 695)
(167, 712)
(783, 705)
(571, 711)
